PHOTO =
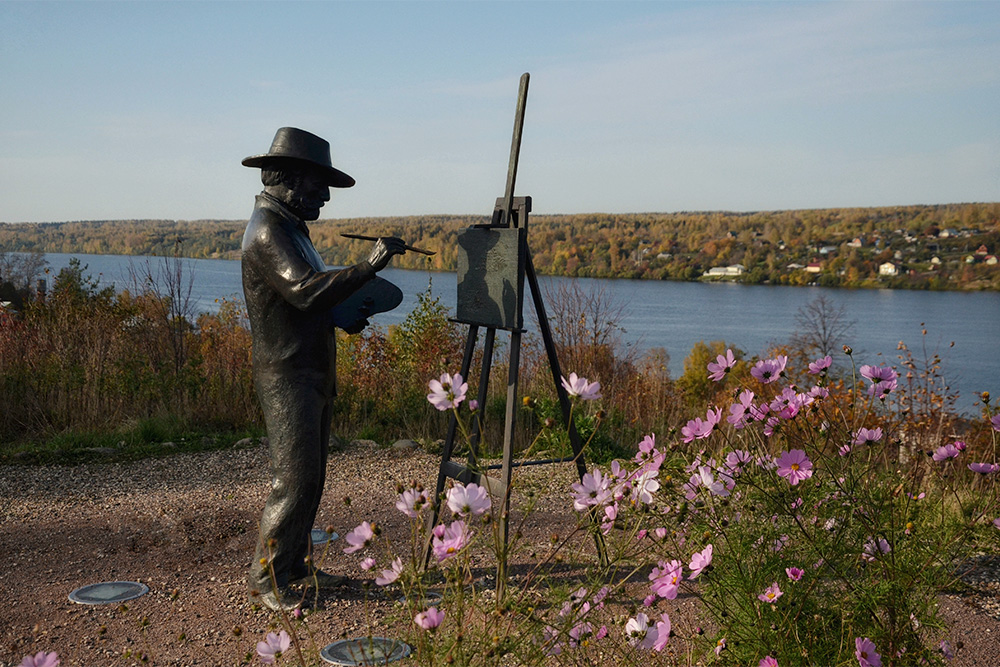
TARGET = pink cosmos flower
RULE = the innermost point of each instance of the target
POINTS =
(610, 515)
(429, 619)
(769, 370)
(946, 649)
(578, 386)
(662, 633)
(768, 661)
(758, 411)
(367, 564)
(771, 594)
(722, 365)
(696, 429)
(581, 632)
(639, 632)
(273, 646)
(945, 452)
(819, 392)
(359, 538)
(864, 651)
(995, 422)
(878, 373)
(550, 641)
(794, 466)
(738, 410)
(789, 403)
(449, 540)
(996, 522)
(470, 499)
(666, 578)
(390, 575)
(844, 450)
(411, 501)
(883, 379)
(647, 449)
(794, 573)
(699, 561)
(719, 487)
(874, 548)
(644, 486)
(820, 365)
(593, 490)
(863, 435)
(40, 659)
(736, 459)
(984, 468)
(447, 392)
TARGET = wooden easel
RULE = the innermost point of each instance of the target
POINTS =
(507, 232)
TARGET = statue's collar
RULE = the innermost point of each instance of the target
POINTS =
(282, 209)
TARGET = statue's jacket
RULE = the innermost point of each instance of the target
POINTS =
(289, 296)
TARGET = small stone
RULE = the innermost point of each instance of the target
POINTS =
(101, 450)
(405, 444)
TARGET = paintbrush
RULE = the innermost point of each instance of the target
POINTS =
(375, 238)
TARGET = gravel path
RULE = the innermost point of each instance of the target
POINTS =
(185, 525)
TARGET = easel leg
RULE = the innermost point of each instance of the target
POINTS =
(564, 403)
(484, 383)
(508, 460)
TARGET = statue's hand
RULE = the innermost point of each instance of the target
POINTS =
(357, 326)
(384, 249)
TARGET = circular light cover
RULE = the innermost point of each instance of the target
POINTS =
(108, 592)
(365, 651)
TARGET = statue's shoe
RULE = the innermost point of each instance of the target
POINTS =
(319, 579)
(281, 599)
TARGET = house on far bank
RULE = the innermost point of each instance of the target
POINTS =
(888, 269)
(856, 242)
(725, 271)
(990, 259)
(982, 251)
(814, 267)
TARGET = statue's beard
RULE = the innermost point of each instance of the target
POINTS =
(304, 207)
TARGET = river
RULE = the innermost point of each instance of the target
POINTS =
(676, 315)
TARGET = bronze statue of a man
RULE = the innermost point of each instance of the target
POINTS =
(290, 295)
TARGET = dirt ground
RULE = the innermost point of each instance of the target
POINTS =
(186, 526)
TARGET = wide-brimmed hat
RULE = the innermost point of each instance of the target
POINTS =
(291, 143)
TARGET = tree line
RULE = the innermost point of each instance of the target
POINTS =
(951, 246)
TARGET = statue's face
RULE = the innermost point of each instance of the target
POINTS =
(308, 195)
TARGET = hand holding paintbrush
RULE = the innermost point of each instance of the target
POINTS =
(375, 238)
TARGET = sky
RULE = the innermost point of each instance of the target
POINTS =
(137, 110)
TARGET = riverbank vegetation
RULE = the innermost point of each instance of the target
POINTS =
(954, 246)
(86, 371)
